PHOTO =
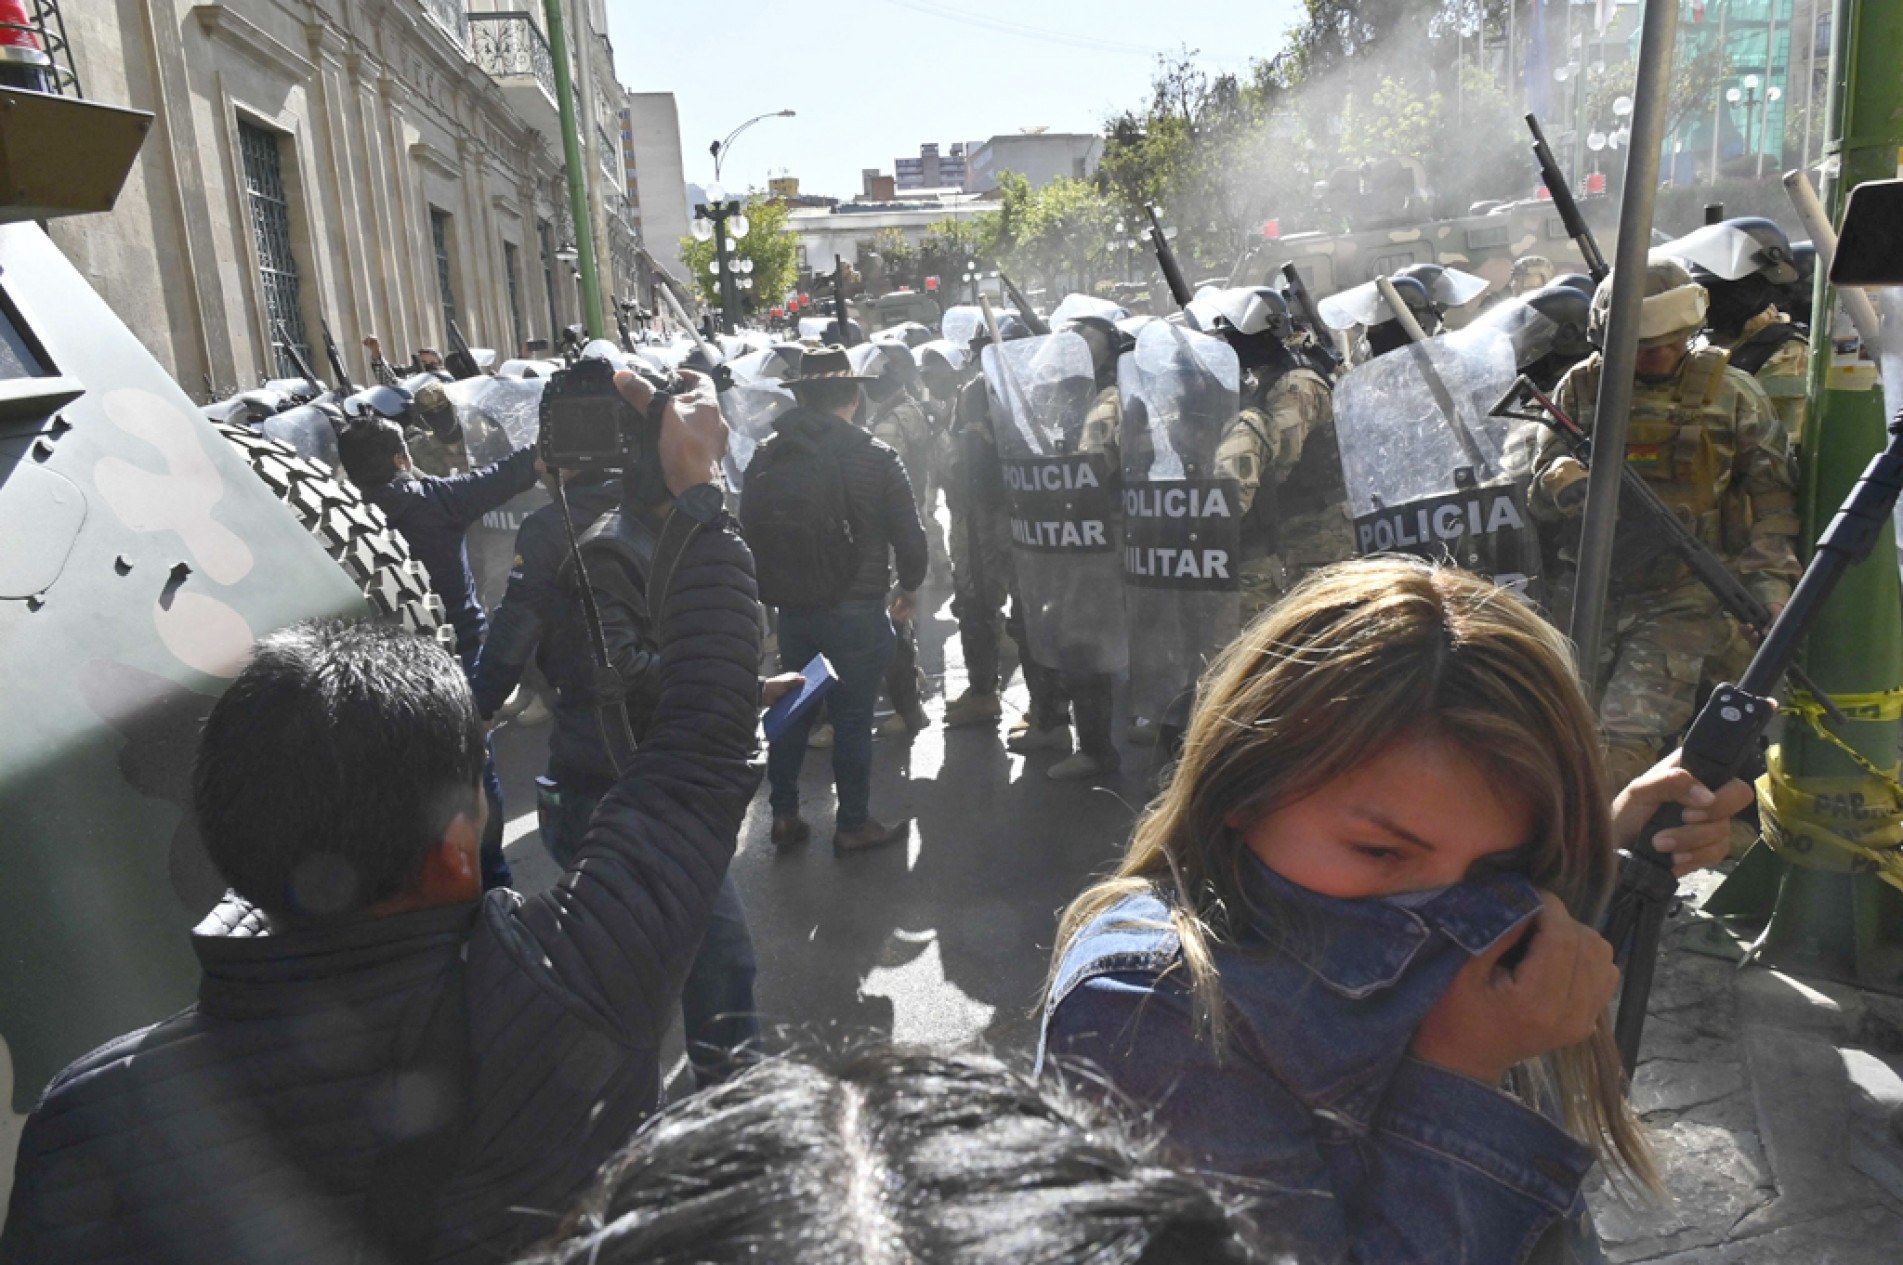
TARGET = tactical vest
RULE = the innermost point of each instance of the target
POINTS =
(1681, 438)
(1751, 354)
(1314, 485)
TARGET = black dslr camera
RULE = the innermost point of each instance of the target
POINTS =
(586, 424)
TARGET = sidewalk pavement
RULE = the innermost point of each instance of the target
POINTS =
(1776, 1108)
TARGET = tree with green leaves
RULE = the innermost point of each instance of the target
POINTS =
(768, 243)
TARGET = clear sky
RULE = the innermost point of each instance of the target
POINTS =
(873, 79)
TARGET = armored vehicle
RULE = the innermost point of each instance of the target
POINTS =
(143, 548)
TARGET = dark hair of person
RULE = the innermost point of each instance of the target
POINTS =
(827, 397)
(368, 448)
(333, 764)
(897, 1155)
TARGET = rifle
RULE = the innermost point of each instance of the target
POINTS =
(296, 355)
(621, 324)
(461, 361)
(1576, 227)
(1728, 728)
(336, 361)
(1166, 260)
(1036, 323)
(1706, 567)
(1311, 315)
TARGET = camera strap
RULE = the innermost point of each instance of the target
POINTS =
(611, 709)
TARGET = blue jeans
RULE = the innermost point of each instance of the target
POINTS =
(718, 1014)
(858, 640)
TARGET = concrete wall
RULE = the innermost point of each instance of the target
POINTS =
(661, 175)
(383, 116)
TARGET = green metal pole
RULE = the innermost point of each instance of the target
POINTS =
(577, 173)
(1831, 923)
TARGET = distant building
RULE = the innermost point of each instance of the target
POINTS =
(931, 170)
(1039, 157)
(877, 186)
(822, 232)
(785, 188)
(651, 155)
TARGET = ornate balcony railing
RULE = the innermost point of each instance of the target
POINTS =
(510, 44)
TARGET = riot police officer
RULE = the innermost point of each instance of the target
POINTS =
(1744, 264)
(1699, 432)
(1282, 452)
(980, 545)
(895, 417)
(1060, 698)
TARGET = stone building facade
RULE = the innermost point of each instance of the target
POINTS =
(382, 165)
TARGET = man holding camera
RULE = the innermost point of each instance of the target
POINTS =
(618, 523)
(383, 1063)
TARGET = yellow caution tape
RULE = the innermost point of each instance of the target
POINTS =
(1846, 825)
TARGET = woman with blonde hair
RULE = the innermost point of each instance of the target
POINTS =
(1349, 956)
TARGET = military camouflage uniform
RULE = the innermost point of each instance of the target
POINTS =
(1785, 375)
(902, 425)
(1284, 439)
(980, 517)
(1696, 439)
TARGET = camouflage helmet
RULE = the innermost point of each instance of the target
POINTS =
(1673, 310)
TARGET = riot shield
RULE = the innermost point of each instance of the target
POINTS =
(498, 415)
(1182, 525)
(1429, 470)
(307, 429)
(750, 408)
(1065, 529)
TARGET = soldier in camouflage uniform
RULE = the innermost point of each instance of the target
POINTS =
(1059, 698)
(1286, 462)
(896, 418)
(1699, 431)
(980, 543)
(1745, 265)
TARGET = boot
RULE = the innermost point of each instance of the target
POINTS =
(973, 708)
(1056, 738)
(1081, 767)
(790, 832)
(874, 834)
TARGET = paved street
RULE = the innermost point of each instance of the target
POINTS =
(945, 939)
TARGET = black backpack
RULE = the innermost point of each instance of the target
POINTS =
(796, 518)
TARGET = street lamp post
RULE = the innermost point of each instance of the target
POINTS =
(719, 217)
(722, 218)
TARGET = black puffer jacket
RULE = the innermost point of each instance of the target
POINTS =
(249, 1128)
(879, 498)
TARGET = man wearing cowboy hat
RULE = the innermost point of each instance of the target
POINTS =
(854, 629)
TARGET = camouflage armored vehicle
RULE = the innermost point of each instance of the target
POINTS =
(141, 553)
(1387, 227)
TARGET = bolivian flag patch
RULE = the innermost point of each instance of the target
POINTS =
(1645, 457)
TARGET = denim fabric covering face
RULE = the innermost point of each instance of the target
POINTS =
(1356, 1149)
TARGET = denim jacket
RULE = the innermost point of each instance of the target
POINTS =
(1349, 1149)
